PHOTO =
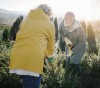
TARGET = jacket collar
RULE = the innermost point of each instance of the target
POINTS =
(74, 26)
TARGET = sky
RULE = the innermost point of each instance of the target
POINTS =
(83, 9)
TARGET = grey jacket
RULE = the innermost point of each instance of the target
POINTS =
(77, 37)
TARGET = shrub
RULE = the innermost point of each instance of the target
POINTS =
(7, 80)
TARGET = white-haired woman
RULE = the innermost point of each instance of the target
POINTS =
(34, 41)
(73, 35)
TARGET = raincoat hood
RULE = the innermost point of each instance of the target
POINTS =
(38, 13)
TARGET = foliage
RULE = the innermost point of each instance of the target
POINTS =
(83, 25)
(61, 44)
(55, 74)
(5, 35)
(7, 80)
(15, 28)
(4, 26)
(89, 76)
(91, 40)
(56, 29)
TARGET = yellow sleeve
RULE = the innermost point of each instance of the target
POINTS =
(51, 41)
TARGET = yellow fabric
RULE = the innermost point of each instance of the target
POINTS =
(34, 41)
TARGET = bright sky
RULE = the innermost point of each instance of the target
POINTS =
(83, 9)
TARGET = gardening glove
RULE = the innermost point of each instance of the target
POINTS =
(50, 60)
(68, 42)
(70, 52)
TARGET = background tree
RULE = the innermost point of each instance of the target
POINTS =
(83, 25)
(61, 44)
(5, 35)
(15, 28)
(91, 39)
(56, 29)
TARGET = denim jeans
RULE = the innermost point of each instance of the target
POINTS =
(31, 81)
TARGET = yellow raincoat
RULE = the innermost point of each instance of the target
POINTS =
(34, 41)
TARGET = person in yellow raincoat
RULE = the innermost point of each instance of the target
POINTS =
(34, 41)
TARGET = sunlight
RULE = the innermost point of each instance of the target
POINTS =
(83, 9)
